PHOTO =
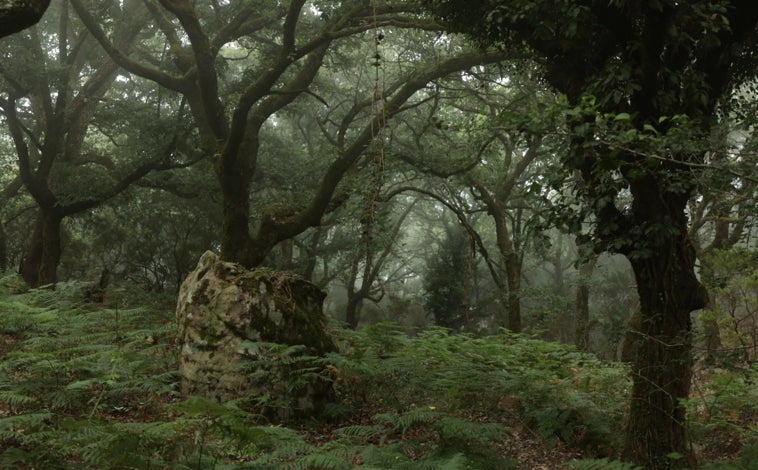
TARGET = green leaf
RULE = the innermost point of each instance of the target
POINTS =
(650, 128)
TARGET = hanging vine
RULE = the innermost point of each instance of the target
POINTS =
(378, 121)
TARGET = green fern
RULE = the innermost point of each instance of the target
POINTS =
(602, 464)
(15, 400)
(81, 387)
(363, 433)
(320, 460)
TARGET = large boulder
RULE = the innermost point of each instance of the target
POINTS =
(229, 317)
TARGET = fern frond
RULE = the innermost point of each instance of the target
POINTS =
(362, 432)
(456, 462)
(21, 427)
(403, 422)
(14, 399)
(320, 460)
(602, 464)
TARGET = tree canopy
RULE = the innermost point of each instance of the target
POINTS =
(639, 69)
(554, 168)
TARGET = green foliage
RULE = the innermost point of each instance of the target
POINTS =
(72, 366)
(285, 372)
(601, 464)
(88, 388)
(445, 280)
(747, 461)
(554, 391)
(733, 283)
(724, 411)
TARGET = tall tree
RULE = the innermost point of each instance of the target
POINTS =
(645, 62)
(479, 133)
(447, 278)
(56, 84)
(283, 50)
(368, 275)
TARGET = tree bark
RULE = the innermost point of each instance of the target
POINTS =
(582, 305)
(353, 309)
(39, 266)
(668, 290)
(513, 265)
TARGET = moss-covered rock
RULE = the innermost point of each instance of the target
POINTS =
(224, 310)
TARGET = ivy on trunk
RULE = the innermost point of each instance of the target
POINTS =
(641, 63)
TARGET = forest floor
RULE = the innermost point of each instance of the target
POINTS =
(92, 386)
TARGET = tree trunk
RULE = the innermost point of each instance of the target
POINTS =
(582, 305)
(668, 290)
(513, 276)
(40, 265)
(3, 249)
(287, 250)
(353, 310)
(709, 321)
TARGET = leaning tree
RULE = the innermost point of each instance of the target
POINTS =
(642, 80)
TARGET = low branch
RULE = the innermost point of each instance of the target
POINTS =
(462, 219)
(17, 15)
(677, 163)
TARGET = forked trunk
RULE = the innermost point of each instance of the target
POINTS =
(40, 265)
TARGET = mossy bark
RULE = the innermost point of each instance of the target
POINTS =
(40, 264)
(223, 309)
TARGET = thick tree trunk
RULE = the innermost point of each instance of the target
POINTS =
(40, 265)
(668, 291)
(235, 230)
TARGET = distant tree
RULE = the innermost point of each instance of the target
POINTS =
(724, 213)
(733, 280)
(582, 304)
(369, 277)
(492, 141)
(511, 184)
(445, 282)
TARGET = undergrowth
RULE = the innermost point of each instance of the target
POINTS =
(90, 386)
